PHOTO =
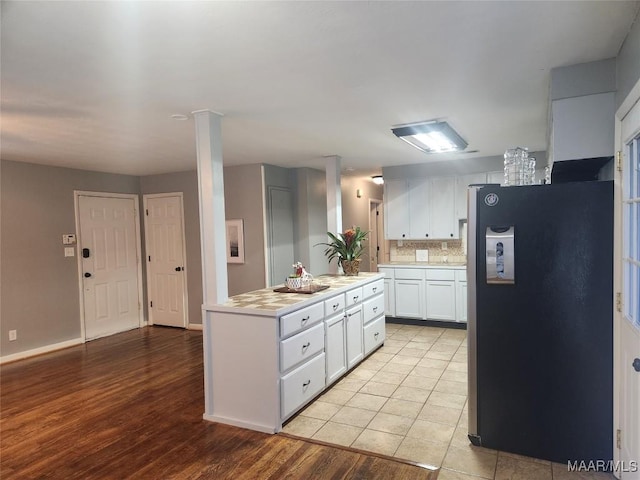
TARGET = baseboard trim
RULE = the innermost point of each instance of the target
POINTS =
(40, 350)
(239, 423)
(194, 326)
(426, 323)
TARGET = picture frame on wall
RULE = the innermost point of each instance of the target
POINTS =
(235, 241)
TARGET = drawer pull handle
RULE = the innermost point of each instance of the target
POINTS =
(306, 384)
(355, 298)
(374, 289)
(375, 335)
(305, 346)
(335, 306)
(304, 320)
(375, 309)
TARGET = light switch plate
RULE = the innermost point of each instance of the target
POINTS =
(69, 239)
(69, 252)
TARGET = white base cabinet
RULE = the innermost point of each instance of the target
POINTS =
(441, 300)
(336, 348)
(266, 356)
(461, 302)
(409, 298)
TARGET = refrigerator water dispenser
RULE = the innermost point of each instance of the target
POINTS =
(500, 255)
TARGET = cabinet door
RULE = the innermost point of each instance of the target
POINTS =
(462, 185)
(335, 348)
(461, 301)
(355, 351)
(441, 300)
(409, 298)
(418, 208)
(389, 298)
(396, 209)
(442, 214)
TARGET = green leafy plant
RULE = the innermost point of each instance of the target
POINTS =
(345, 246)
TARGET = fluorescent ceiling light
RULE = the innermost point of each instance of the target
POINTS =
(430, 137)
(377, 179)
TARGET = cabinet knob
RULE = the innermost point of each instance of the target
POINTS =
(426, 234)
(452, 235)
(403, 235)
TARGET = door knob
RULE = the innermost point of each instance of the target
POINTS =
(87, 275)
(636, 364)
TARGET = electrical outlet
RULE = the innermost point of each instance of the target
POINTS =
(444, 245)
(13, 335)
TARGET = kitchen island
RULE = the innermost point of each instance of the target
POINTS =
(426, 291)
(268, 354)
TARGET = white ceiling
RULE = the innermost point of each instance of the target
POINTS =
(92, 85)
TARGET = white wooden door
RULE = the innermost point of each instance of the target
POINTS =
(419, 214)
(396, 209)
(627, 318)
(108, 247)
(335, 348)
(409, 301)
(441, 300)
(355, 349)
(375, 239)
(442, 210)
(166, 275)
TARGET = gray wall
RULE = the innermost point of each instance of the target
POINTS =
(355, 211)
(243, 199)
(311, 215)
(39, 296)
(187, 183)
(583, 79)
(628, 63)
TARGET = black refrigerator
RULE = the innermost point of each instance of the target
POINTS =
(540, 319)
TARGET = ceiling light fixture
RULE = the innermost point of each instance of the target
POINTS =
(430, 137)
(377, 179)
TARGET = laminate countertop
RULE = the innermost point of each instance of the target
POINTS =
(450, 265)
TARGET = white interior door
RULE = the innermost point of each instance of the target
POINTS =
(109, 259)
(375, 238)
(627, 315)
(166, 276)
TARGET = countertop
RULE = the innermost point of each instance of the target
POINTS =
(452, 265)
(266, 301)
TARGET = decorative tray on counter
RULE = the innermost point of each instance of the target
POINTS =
(313, 288)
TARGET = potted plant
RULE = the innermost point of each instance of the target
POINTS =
(347, 248)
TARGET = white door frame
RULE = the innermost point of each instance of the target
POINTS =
(185, 291)
(380, 254)
(626, 106)
(76, 203)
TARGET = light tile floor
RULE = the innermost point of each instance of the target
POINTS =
(409, 400)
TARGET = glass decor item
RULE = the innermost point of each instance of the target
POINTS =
(519, 167)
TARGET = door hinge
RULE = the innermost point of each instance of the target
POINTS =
(377, 213)
(618, 439)
(151, 303)
(146, 211)
(149, 257)
(619, 301)
(619, 160)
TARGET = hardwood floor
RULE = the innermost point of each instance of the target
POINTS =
(130, 406)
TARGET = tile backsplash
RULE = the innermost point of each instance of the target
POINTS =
(455, 251)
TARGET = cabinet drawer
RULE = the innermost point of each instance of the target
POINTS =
(409, 274)
(301, 347)
(295, 321)
(461, 275)
(374, 334)
(354, 296)
(301, 385)
(440, 274)
(334, 304)
(373, 307)
(373, 288)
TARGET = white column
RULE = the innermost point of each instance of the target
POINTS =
(334, 199)
(211, 196)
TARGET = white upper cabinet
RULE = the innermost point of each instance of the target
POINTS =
(419, 212)
(462, 186)
(396, 204)
(442, 209)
